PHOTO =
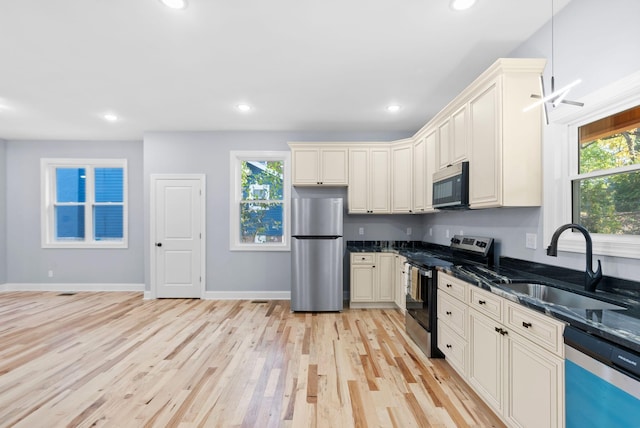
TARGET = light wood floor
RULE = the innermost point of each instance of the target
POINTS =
(116, 360)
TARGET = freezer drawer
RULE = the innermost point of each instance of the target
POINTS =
(316, 274)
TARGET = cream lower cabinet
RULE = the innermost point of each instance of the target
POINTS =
(516, 361)
(372, 280)
(453, 314)
(399, 286)
(513, 357)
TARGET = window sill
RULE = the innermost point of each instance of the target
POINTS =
(260, 247)
(604, 245)
(86, 245)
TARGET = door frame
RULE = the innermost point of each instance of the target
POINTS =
(153, 179)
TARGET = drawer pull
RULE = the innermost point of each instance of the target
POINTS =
(449, 346)
(448, 312)
(482, 302)
(501, 331)
(449, 285)
(526, 324)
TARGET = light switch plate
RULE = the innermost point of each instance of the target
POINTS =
(361, 231)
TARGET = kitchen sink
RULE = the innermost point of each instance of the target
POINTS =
(557, 296)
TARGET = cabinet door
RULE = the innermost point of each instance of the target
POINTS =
(419, 177)
(399, 286)
(358, 190)
(431, 141)
(535, 396)
(334, 166)
(443, 150)
(362, 283)
(379, 180)
(385, 268)
(305, 166)
(485, 172)
(402, 179)
(459, 135)
(486, 359)
(453, 347)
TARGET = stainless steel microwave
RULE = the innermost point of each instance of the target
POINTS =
(451, 187)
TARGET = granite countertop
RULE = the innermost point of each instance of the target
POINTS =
(620, 326)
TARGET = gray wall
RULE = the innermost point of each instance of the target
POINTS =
(26, 261)
(208, 153)
(597, 42)
(3, 212)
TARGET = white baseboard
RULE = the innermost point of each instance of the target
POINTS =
(247, 295)
(72, 287)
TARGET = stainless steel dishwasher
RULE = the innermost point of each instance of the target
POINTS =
(602, 382)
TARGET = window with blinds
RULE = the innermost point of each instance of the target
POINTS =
(84, 203)
(606, 187)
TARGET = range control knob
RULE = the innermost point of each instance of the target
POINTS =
(455, 241)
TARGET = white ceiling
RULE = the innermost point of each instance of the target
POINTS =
(302, 64)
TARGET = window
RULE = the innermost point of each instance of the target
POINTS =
(259, 201)
(84, 203)
(592, 171)
(606, 191)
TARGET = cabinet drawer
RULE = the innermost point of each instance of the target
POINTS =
(453, 286)
(538, 328)
(362, 258)
(453, 313)
(453, 347)
(485, 302)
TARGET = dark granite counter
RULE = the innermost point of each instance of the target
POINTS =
(620, 326)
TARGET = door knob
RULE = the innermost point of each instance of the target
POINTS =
(158, 244)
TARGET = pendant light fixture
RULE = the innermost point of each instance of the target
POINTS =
(557, 96)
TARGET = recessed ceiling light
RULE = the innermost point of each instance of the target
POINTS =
(110, 117)
(244, 107)
(175, 4)
(461, 4)
(393, 108)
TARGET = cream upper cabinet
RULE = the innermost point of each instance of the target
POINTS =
(319, 164)
(369, 180)
(419, 175)
(505, 166)
(402, 177)
(458, 139)
(431, 140)
(452, 144)
(443, 144)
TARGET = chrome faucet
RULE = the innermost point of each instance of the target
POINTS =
(591, 278)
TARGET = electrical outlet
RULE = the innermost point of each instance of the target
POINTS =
(431, 231)
(461, 232)
(446, 233)
(50, 274)
(531, 241)
(361, 231)
(408, 231)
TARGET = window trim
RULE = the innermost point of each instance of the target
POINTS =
(561, 166)
(235, 159)
(47, 197)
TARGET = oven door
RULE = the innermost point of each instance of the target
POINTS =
(421, 310)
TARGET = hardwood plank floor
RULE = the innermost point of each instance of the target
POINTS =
(116, 360)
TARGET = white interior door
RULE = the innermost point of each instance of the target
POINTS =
(177, 211)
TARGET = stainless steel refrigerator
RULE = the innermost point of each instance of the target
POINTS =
(317, 251)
